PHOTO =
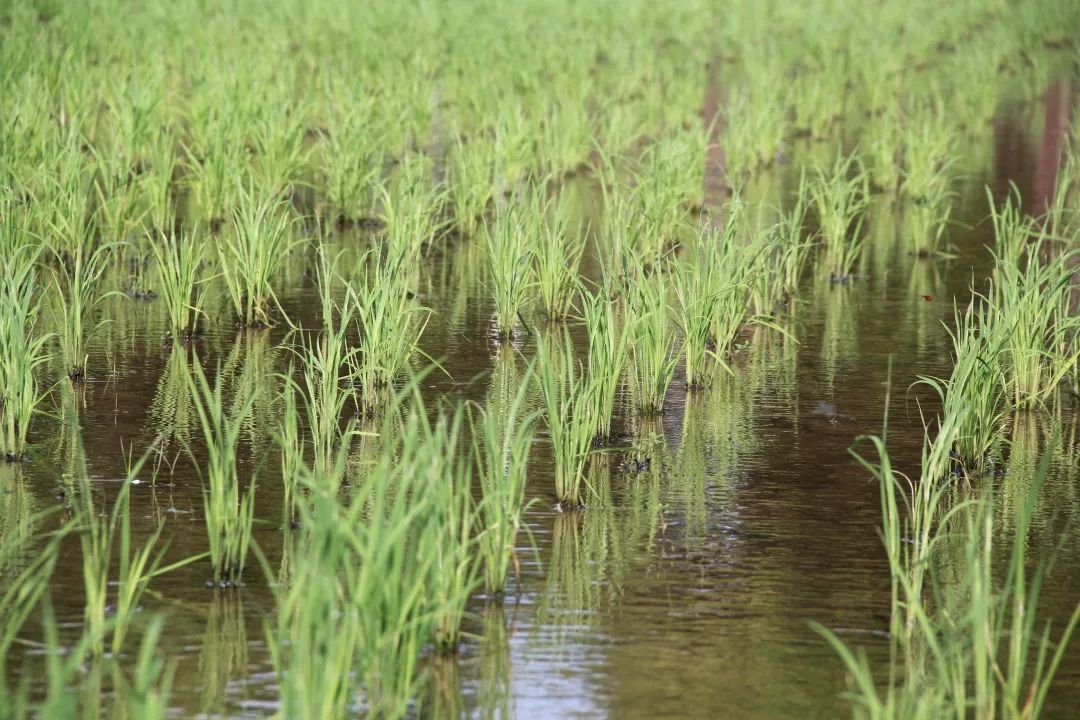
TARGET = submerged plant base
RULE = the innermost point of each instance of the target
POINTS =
(223, 584)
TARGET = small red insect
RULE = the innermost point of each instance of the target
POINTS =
(927, 298)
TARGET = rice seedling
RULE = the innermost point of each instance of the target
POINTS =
(228, 514)
(501, 445)
(472, 183)
(353, 162)
(609, 353)
(390, 323)
(510, 263)
(147, 693)
(570, 405)
(251, 256)
(180, 258)
(23, 348)
(840, 195)
(214, 161)
(653, 353)
(884, 144)
(101, 538)
(973, 397)
(928, 161)
(783, 255)
(76, 280)
(557, 248)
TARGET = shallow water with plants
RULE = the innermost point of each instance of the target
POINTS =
(647, 359)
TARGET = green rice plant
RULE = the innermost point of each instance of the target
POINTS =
(884, 143)
(510, 263)
(147, 693)
(1032, 301)
(557, 248)
(784, 253)
(928, 161)
(974, 395)
(158, 185)
(251, 255)
(389, 320)
(609, 353)
(501, 445)
(180, 258)
(841, 195)
(228, 514)
(353, 162)
(570, 411)
(76, 280)
(455, 571)
(23, 349)
(326, 361)
(102, 538)
(653, 354)
(472, 181)
(277, 130)
(215, 158)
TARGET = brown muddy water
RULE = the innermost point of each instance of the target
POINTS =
(689, 590)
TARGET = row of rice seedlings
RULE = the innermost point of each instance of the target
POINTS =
(958, 643)
(76, 283)
(501, 445)
(840, 195)
(653, 355)
(23, 348)
(570, 410)
(180, 258)
(228, 513)
(556, 251)
(251, 255)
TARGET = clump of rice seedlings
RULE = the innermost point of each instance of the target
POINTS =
(277, 135)
(927, 161)
(472, 182)
(76, 280)
(609, 352)
(23, 349)
(884, 142)
(326, 360)
(228, 513)
(816, 94)
(146, 694)
(566, 132)
(1030, 300)
(501, 445)
(973, 397)
(180, 257)
(670, 181)
(353, 163)
(510, 271)
(157, 184)
(390, 322)
(570, 407)
(455, 571)
(653, 354)
(962, 641)
(755, 126)
(215, 158)
(840, 195)
(783, 256)
(102, 538)
(557, 248)
(251, 254)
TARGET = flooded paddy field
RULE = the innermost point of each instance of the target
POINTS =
(380, 363)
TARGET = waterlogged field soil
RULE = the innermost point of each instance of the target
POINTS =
(722, 529)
